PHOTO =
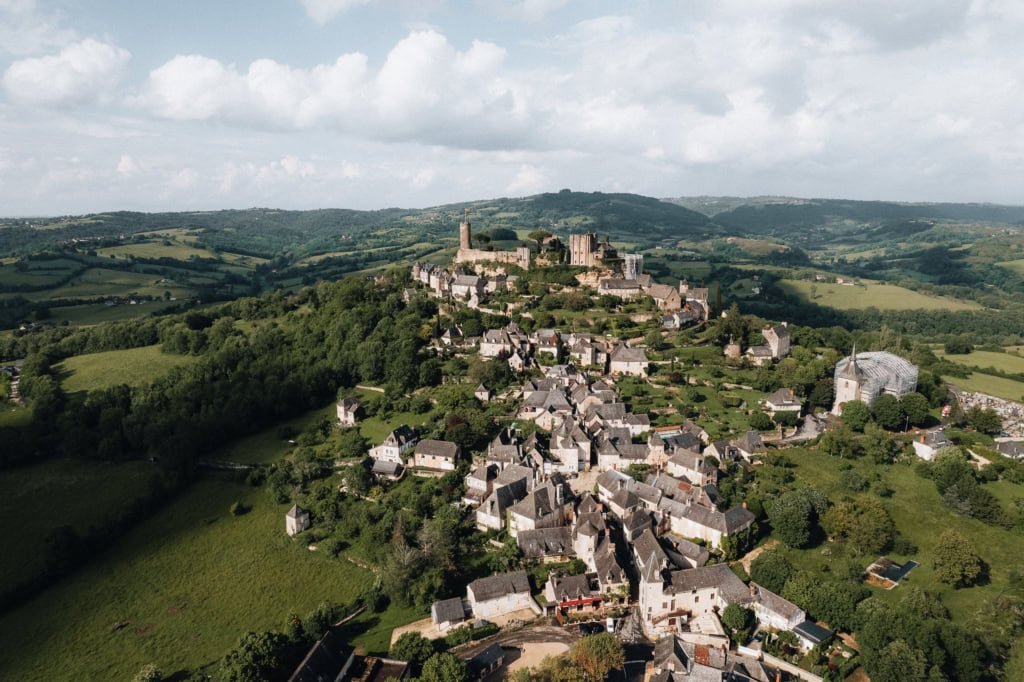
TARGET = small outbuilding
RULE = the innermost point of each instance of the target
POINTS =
(296, 520)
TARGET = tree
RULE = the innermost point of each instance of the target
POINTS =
(414, 648)
(771, 569)
(351, 444)
(838, 442)
(878, 444)
(899, 662)
(761, 421)
(256, 658)
(738, 622)
(887, 413)
(986, 420)
(598, 655)
(445, 667)
(787, 419)
(863, 523)
(794, 514)
(915, 407)
(538, 236)
(956, 562)
(855, 414)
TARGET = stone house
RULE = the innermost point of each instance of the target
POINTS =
(438, 455)
(397, 443)
(628, 361)
(348, 411)
(500, 594)
(296, 520)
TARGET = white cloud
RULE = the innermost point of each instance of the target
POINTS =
(524, 10)
(529, 179)
(323, 11)
(126, 166)
(81, 72)
(25, 30)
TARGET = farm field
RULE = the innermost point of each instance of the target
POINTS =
(1015, 265)
(1000, 387)
(94, 313)
(148, 582)
(135, 367)
(60, 492)
(918, 512)
(100, 282)
(985, 359)
(881, 296)
(156, 249)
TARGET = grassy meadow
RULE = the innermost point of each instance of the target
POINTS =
(876, 295)
(60, 492)
(135, 367)
(986, 359)
(183, 586)
(1000, 387)
(918, 512)
(93, 313)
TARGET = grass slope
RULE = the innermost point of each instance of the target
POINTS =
(881, 296)
(986, 359)
(919, 514)
(1000, 387)
(189, 582)
(59, 492)
(135, 366)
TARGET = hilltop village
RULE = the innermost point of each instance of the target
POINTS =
(625, 505)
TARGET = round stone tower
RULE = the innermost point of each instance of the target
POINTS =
(465, 238)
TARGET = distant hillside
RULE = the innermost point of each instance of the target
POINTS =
(781, 215)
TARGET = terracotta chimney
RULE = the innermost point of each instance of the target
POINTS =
(922, 437)
(744, 504)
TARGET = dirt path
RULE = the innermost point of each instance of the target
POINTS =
(753, 554)
(534, 653)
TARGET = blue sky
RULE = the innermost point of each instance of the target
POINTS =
(110, 104)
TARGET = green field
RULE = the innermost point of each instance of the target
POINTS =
(919, 514)
(1015, 265)
(881, 296)
(1000, 387)
(13, 415)
(59, 492)
(135, 367)
(188, 582)
(94, 313)
(101, 282)
(986, 359)
(156, 249)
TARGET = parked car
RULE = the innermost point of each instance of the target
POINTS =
(591, 629)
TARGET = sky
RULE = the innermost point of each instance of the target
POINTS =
(301, 104)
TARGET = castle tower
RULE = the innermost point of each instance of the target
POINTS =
(848, 382)
(465, 238)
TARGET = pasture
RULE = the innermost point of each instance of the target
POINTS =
(135, 367)
(94, 313)
(156, 249)
(1000, 387)
(60, 492)
(871, 295)
(918, 512)
(984, 359)
(141, 602)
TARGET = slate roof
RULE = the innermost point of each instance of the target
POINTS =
(694, 554)
(645, 546)
(1011, 448)
(543, 542)
(719, 576)
(324, 661)
(402, 435)
(448, 611)
(783, 397)
(624, 353)
(437, 448)
(486, 659)
(571, 587)
(500, 585)
(661, 291)
(813, 632)
(774, 602)
(382, 468)
(296, 511)
(609, 571)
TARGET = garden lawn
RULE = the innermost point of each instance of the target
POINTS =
(135, 367)
(881, 296)
(185, 584)
(920, 516)
(60, 492)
